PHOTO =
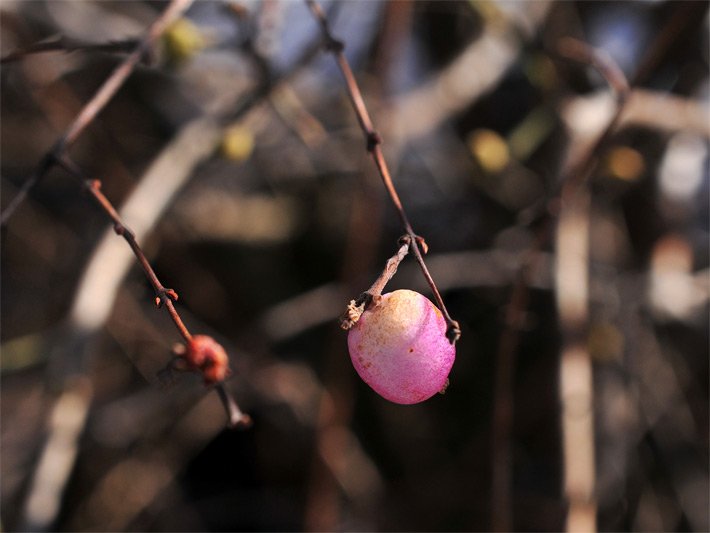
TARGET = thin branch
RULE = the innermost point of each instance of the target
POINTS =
(581, 52)
(92, 108)
(164, 296)
(67, 44)
(373, 145)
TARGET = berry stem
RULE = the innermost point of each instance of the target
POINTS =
(390, 269)
(372, 295)
(373, 145)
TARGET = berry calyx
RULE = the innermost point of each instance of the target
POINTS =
(399, 347)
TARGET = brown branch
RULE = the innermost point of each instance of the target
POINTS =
(581, 52)
(373, 145)
(390, 268)
(372, 295)
(92, 108)
(67, 44)
(164, 296)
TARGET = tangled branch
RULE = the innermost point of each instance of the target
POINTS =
(92, 108)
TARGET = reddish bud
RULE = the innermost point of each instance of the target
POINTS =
(423, 245)
(205, 355)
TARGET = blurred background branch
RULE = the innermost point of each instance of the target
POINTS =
(231, 155)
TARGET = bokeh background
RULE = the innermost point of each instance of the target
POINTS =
(248, 184)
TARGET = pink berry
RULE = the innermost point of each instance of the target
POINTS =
(399, 347)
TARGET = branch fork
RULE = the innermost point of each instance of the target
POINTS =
(165, 295)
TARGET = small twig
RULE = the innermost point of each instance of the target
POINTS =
(373, 143)
(372, 295)
(390, 268)
(164, 296)
(67, 44)
(92, 108)
(237, 418)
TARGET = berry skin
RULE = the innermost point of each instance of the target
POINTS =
(399, 348)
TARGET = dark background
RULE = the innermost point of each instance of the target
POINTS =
(267, 242)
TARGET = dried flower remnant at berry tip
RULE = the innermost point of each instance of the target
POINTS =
(398, 348)
(206, 356)
(352, 315)
(357, 307)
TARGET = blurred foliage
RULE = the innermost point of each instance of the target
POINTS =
(286, 221)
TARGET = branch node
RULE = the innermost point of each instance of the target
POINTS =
(53, 157)
(333, 45)
(373, 139)
(453, 332)
(164, 295)
(422, 244)
(404, 240)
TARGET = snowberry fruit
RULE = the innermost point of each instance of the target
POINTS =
(399, 347)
